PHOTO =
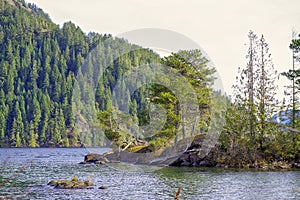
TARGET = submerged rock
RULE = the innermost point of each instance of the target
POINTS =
(103, 187)
(70, 184)
(296, 190)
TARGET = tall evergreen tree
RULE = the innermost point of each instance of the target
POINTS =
(255, 90)
(17, 128)
(266, 88)
(293, 75)
(293, 91)
(33, 136)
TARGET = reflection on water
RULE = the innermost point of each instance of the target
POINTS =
(26, 172)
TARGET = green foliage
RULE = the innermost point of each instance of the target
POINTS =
(38, 65)
(194, 67)
(74, 178)
(31, 76)
(112, 135)
(255, 89)
(190, 65)
(33, 136)
(157, 144)
(268, 142)
(292, 91)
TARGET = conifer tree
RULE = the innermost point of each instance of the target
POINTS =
(255, 91)
(17, 128)
(33, 135)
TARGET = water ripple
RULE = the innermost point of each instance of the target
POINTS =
(26, 172)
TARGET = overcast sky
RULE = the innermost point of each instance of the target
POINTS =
(220, 27)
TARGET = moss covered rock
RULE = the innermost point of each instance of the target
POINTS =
(70, 184)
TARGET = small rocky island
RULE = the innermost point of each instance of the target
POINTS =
(191, 157)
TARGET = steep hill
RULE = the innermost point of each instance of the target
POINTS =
(63, 87)
(39, 63)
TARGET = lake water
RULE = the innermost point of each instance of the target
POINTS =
(26, 172)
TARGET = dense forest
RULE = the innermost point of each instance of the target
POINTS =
(55, 82)
(61, 87)
(39, 65)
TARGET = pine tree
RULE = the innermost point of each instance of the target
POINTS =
(38, 65)
(36, 114)
(255, 91)
(45, 114)
(293, 75)
(17, 128)
(60, 126)
(2, 129)
(33, 136)
(192, 64)
(293, 91)
(266, 88)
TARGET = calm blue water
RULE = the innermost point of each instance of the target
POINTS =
(26, 172)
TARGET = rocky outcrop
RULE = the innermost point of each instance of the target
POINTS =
(296, 165)
(215, 158)
(187, 160)
(71, 184)
(271, 166)
(280, 165)
(135, 154)
(193, 159)
(192, 156)
(94, 158)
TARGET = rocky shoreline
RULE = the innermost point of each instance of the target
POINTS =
(191, 157)
(193, 160)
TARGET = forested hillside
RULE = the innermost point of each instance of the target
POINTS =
(58, 82)
(39, 62)
(61, 87)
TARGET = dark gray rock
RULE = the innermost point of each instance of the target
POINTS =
(296, 165)
(192, 156)
(103, 187)
(94, 158)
